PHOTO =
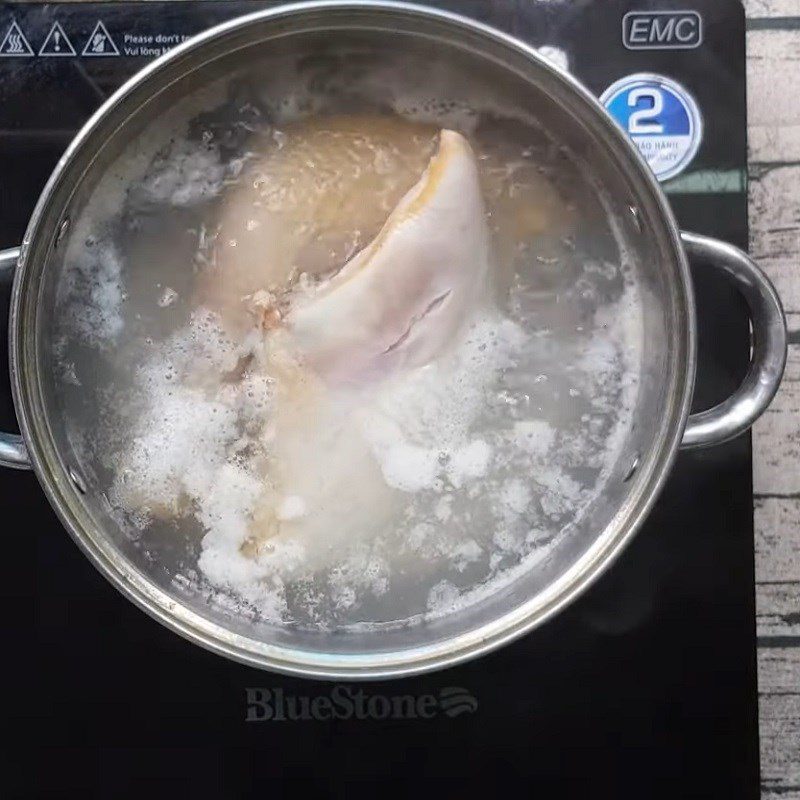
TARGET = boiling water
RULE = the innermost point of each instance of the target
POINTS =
(409, 495)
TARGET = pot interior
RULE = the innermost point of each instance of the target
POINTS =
(461, 514)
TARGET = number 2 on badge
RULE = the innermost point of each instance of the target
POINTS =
(638, 122)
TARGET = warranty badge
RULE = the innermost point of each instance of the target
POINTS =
(661, 118)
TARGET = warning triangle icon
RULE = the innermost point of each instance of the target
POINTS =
(14, 43)
(100, 43)
(57, 43)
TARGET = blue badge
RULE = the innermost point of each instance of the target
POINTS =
(661, 118)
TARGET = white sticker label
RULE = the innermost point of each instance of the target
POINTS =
(661, 118)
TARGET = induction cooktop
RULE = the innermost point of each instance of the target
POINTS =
(644, 688)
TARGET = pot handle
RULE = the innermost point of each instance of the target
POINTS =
(736, 414)
(13, 452)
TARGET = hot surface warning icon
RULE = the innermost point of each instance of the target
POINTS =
(14, 43)
(100, 43)
(57, 43)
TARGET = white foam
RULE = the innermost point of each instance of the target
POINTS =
(292, 507)
(190, 173)
(419, 428)
(469, 461)
(534, 436)
(94, 292)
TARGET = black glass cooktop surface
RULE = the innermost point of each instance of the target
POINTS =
(644, 688)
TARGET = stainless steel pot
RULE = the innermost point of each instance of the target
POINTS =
(664, 423)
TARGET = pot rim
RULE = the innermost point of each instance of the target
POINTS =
(55, 480)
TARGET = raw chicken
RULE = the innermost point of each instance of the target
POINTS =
(398, 302)
(319, 191)
(395, 306)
